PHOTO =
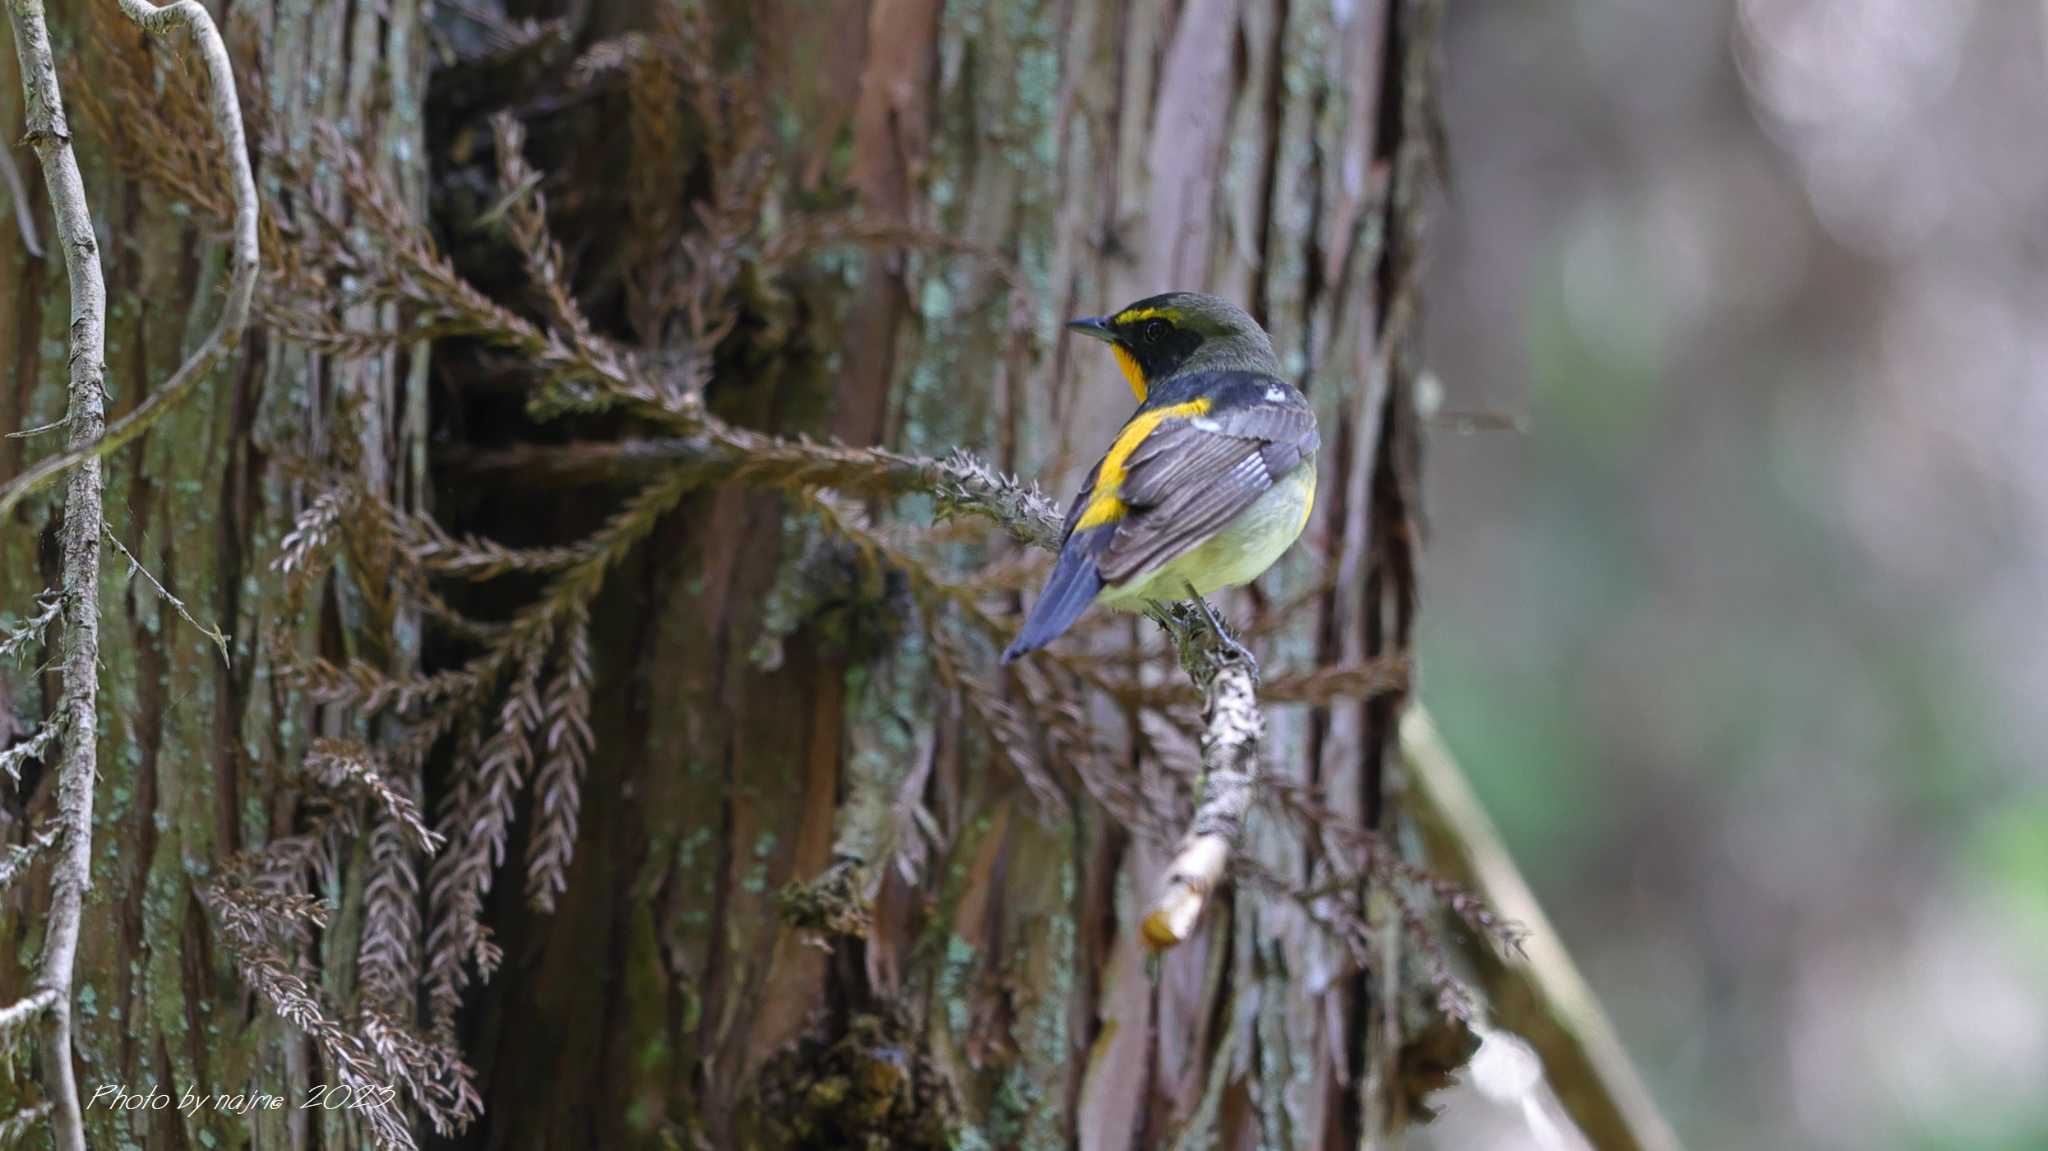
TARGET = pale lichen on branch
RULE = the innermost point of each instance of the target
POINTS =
(1233, 731)
(77, 706)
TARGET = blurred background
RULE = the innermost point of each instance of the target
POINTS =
(1741, 636)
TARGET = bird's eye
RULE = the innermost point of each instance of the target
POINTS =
(1154, 331)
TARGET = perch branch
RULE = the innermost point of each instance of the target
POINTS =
(51, 138)
(1232, 731)
(1542, 997)
(243, 258)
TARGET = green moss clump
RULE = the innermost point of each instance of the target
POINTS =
(868, 1089)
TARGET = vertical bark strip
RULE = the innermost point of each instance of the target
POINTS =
(50, 136)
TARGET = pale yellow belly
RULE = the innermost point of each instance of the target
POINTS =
(1237, 554)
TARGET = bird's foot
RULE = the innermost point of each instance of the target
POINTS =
(1231, 648)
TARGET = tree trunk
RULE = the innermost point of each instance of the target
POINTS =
(765, 716)
(1264, 150)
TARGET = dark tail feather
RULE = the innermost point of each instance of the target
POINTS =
(1068, 593)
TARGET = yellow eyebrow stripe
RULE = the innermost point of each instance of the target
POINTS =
(1136, 314)
(1107, 505)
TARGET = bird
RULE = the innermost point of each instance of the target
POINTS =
(1206, 485)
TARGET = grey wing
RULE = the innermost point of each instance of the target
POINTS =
(1191, 477)
(1081, 499)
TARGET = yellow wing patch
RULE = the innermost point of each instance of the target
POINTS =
(1106, 505)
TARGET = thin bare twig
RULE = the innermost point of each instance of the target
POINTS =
(243, 259)
(50, 136)
(39, 429)
(135, 568)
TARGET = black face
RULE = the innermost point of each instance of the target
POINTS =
(1156, 337)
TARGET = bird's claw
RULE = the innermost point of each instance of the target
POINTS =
(1232, 649)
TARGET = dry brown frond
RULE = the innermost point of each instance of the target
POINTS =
(443, 615)
(431, 547)
(1363, 853)
(524, 210)
(263, 911)
(392, 257)
(308, 547)
(437, 1081)
(477, 825)
(349, 765)
(387, 959)
(149, 106)
(264, 967)
(372, 690)
(607, 58)
(567, 743)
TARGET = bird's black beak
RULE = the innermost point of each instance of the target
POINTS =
(1095, 326)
